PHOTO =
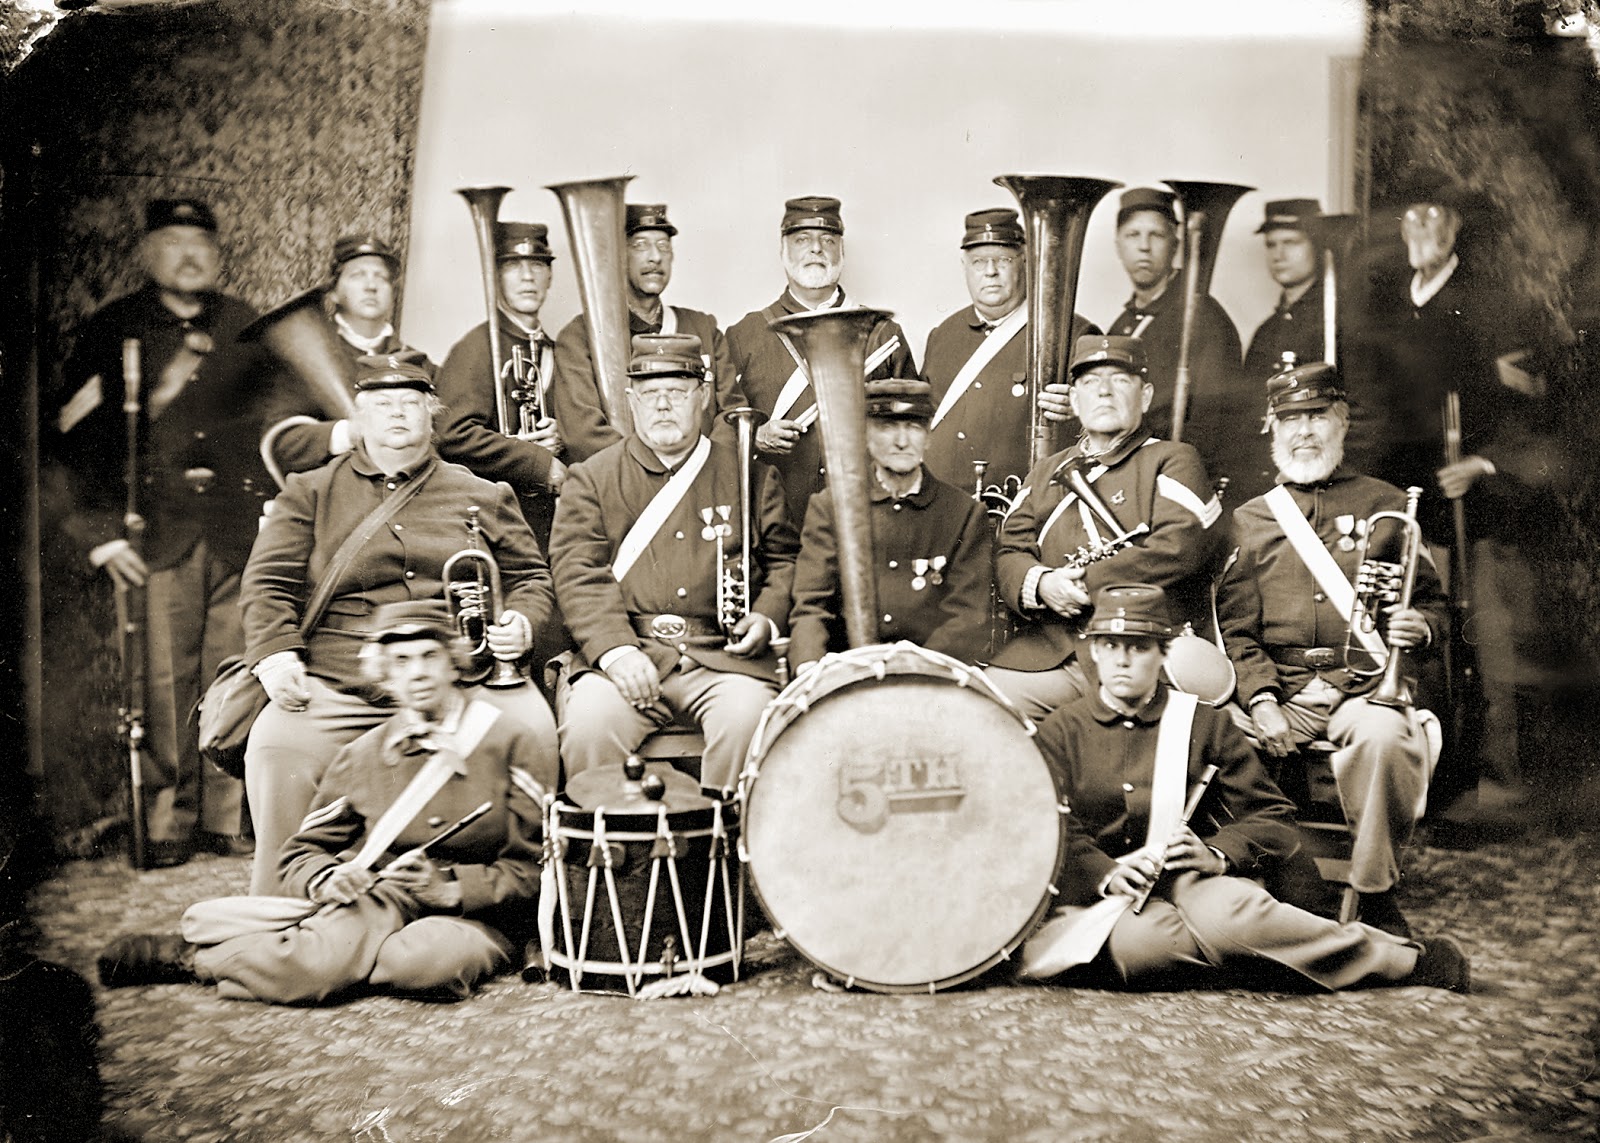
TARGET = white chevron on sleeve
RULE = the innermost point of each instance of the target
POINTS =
(1208, 512)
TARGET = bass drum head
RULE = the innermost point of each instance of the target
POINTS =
(904, 834)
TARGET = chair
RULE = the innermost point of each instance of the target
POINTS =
(1306, 778)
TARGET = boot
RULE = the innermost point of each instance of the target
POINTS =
(1381, 912)
(1442, 964)
(146, 958)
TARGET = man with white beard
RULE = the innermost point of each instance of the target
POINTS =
(811, 247)
(1284, 604)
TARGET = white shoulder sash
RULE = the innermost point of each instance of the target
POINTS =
(655, 513)
(1320, 563)
(996, 340)
(798, 381)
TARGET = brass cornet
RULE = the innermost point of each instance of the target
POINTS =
(1385, 577)
(476, 601)
(735, 584)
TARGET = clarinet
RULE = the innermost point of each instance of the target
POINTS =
(135, 618)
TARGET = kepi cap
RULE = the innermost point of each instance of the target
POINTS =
(899, 399)
(1289, 214)
(1305, 388)
(522, 240)
(666, 355)
(1133, 609)
(393, 371)
(648, 216)
(412, 619)
(352, 246)
(1147, 198)
(998, 227)
(1100, 349)
(813, 212)
(162, 212)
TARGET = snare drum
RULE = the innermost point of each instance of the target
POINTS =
(645, 887)
(903, 831)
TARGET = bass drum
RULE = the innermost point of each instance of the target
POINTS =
(902, 830)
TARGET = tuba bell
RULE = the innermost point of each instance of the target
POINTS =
(475, 601)
(1205, 212)
(484, 203)
(1055, 213)
(596, 219)
(1387, 573)
(833, 347)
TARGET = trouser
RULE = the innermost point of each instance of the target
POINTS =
(598, 726)
(289, 751)
(1382, 762)
(368, 941)
(193, 624)
(1038, 693)
(1230, 924)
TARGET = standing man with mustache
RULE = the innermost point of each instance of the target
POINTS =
(1141, 480)
(1148, 245)
(201, 484)
(1284, 603)
(576, 394)
(811, 247)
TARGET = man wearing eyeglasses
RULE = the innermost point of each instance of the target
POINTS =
(575, 393)
(644, 531)
(200, 485)
(977, 362)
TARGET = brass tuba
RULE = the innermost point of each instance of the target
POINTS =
(484, 203)
(300, 335)
(1336, 236)
(1385, 576)
(476, 601)
(1055, 213)
(1205, 211)
(596, 218)
(832, 345)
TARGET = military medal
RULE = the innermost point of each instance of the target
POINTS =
(1345, 524)
(709, 532)
(1019, 390)
(936, 573)
(919, 578)
(198, 341)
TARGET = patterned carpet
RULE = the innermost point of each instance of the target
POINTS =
(775, 1058)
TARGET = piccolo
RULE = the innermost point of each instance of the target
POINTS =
(1193, 804)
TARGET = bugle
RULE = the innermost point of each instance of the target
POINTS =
(1070, 473)
(1055, 213)
(832, 345)
(596, 219)
(134, 612)
(1205, 211)
(1385, 577)
(476, 602)
(484, 203)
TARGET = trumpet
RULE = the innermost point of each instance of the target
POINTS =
(995, 498)
(476, 601)
(1385, 577)
(527, 387)
(735, 586)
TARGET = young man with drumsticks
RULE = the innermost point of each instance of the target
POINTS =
(1172, 820)
(392, 895)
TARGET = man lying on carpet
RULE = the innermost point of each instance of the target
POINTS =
(1161, 853)
(391, 896)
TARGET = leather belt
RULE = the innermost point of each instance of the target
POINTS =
(1316, 658)
(676, 627)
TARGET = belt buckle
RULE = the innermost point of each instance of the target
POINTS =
(1321, 658)
(668, 626)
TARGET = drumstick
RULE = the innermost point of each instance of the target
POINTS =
(448, 831)
(1195, 795)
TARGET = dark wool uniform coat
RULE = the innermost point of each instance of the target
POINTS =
(764, 364)
(1104, 763)
(1267, 599)
(470, 428)
(677, 572)
(302, 446)
(212, 423)
(1142, 480)
(404, 560)
(1216, 386)
(992, 419)
(576, 392)
(495, 860)
(937, 522)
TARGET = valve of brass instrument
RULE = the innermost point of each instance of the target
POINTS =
(476, 602)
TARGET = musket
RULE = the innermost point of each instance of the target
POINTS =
(135, 616)
(1189, 809)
